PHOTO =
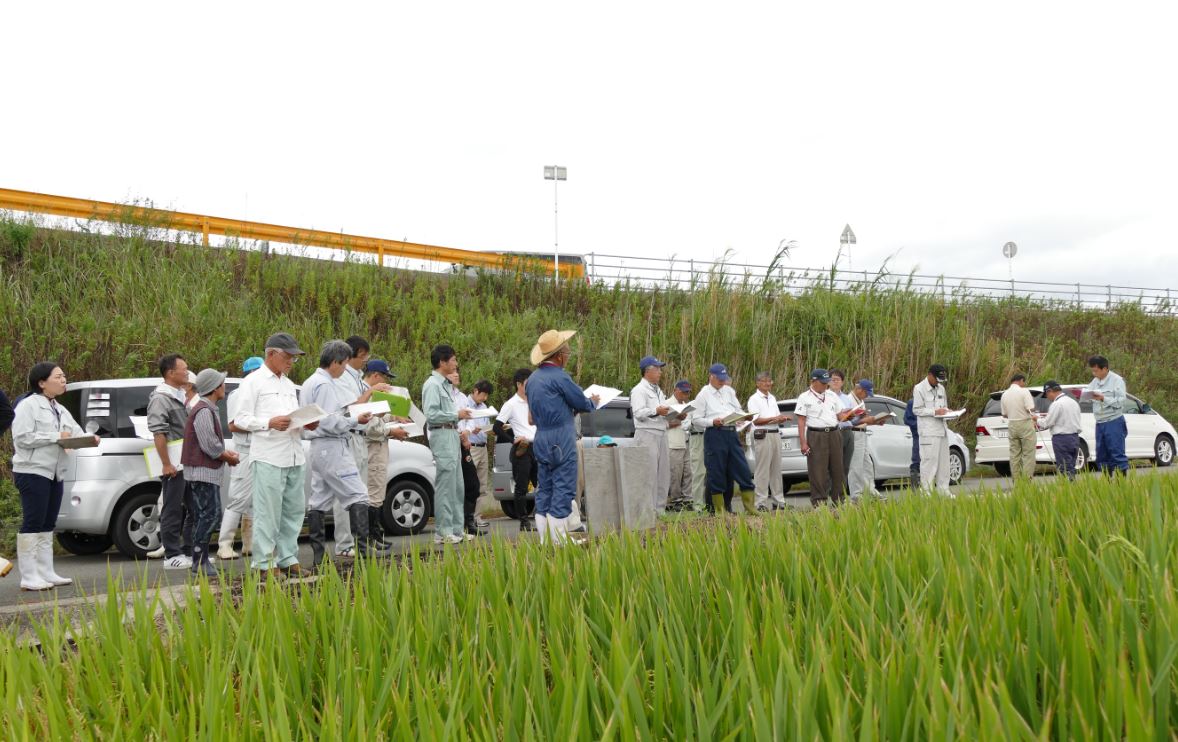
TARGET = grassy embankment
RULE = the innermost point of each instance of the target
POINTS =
(106, 306)
(1046, 613)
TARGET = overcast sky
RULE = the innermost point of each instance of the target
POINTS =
(937, 130)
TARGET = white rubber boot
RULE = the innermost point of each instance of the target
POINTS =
(225, 535)
(26, 561)
(45, 560)
(558, 530)
(542, 527)
(247, 535)
(5, 567)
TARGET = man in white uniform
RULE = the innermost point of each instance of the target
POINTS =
(767, 444)
(649, 407)
(929, 403)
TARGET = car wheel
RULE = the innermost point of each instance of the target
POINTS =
(135, 529)
(957, 466)
(1082, 457)
(1163, 450)
(1003, 468)
(511, 511)
(407, 506)
(83, 544)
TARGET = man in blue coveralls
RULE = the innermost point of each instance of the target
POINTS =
(553, 399)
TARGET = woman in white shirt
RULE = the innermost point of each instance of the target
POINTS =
(38, 466)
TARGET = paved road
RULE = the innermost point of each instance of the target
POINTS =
(90, 573)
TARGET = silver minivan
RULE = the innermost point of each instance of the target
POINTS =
(109, 498)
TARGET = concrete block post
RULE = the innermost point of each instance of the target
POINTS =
(618, 483)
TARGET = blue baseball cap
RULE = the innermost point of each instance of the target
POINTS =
(253, 363)
(720, 371)
(377, 366)
(606, 440)
(867, 386)
(648, 361)
(683, 385)
(820, 374)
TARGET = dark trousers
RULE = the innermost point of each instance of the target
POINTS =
(176, 517)
(825, 466)
(914, 467)
(1110, 446)
(206, 514)
(726, 464)
(523, 471)
(40, 502)
(1065, 447)
(470, 484)
(848, 454)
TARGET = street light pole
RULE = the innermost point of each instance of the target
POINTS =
(555, 173)
(846, 241)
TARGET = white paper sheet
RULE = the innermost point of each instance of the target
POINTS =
(607, 394)
(155, 465)
(677, 410)
(141, 430)
(304, 416)
(479, 414)
(737, 417)
(952, 414)
(1086, 395)
(369, 408)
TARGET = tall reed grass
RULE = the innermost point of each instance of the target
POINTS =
(1045, 613)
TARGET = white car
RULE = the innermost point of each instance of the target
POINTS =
(1150, 436)
(889, 446)
(110, 498)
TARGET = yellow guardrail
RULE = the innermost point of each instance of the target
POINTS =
(44, 203)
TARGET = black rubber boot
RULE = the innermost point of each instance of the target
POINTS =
(365, 546)
(376, 526)
(317, 533)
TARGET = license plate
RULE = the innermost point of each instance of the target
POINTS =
(787, 445)
(1001, 433)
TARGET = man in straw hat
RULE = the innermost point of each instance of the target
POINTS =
(553, 399)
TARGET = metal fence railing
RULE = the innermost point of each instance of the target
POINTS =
(684, 273)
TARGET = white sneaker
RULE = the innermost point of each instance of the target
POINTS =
(156, 553)
(454, 539)
(480, 522)
(179, 562)
(226, 552)
(439, 539)
(468, 537)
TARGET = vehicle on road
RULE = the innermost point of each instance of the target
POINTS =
(1150, 436)
(109, 498)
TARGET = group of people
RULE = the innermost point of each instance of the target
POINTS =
(694, 442)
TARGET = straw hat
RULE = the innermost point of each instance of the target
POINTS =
(549, 343)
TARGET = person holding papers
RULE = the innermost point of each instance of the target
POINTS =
(470, 475)
(819, 411)
(838, 380)
(930, 403)
(717, 411)
(6, 415)
(767, 444)
(1107, 390)
(1018, 407)
(1063, 420)
(376, 374)
(514, 423)
(476, 436)
(335, 477)
(554, 399)
(861, 476)
(268, 397)
(442, 417)
(39, 428)
(679, 496)
(167, 413)
(649, 408)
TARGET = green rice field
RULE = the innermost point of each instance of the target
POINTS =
(1048, 612)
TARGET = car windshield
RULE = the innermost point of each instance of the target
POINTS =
(612, 421)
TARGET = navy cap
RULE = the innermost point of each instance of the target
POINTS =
(648, 361)
(720, 371)
(377, 366)
(820, 374)
(1052, 386)
(253, 363)
(867, 386)
(284, 342)
(939, 372)
(683, 385)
